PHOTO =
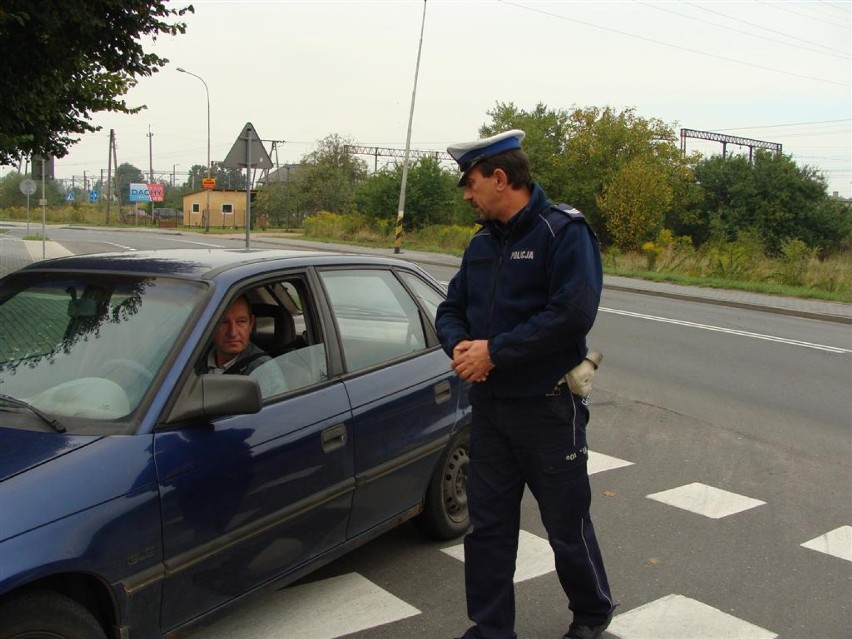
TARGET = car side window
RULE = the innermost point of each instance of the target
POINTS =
(286, 350)
(376, 317)
(428, 297)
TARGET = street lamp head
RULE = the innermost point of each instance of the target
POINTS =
(182, 70)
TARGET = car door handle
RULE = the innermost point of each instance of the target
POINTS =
(443, 391)
(334, 437)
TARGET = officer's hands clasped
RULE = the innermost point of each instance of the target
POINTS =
(471, 360)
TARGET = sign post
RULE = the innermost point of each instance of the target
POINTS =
(247, 154)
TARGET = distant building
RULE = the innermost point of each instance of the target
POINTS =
(282, 174)
(227, 208)
(844, 200)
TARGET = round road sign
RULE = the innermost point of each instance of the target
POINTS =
(28, 187)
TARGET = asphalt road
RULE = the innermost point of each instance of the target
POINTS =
(722, 442)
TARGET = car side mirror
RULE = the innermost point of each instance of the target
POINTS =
(209, 396)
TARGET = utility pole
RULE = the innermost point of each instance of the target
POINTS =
(151, 167)
(109, 173)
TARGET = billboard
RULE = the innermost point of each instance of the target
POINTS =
(154, 192)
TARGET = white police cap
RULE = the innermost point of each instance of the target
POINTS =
(468, 154)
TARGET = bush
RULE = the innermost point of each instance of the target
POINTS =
(794, 261)
(652, 253)
(735, 260)
(332, 226)
(447, 237)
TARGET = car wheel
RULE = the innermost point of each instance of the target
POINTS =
(47, 615)
(445, 513)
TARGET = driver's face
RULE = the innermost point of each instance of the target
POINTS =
(232, 334)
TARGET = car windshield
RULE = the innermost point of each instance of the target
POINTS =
(86, 347)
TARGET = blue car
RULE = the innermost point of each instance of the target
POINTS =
(141, 491)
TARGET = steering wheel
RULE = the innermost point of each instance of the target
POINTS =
(126, 372)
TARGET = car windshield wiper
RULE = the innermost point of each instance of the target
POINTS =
(50, 421)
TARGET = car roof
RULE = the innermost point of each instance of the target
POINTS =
(201, 263)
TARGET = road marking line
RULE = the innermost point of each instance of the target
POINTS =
(702, 499)
(598, 462)
(207, 244)
(679, 617)
(730, 331)
(837, 543)
(535, 557)
(324, 609)
(121, 246)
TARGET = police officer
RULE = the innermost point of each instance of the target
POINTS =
(514, 323)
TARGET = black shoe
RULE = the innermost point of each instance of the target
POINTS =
(580, 631)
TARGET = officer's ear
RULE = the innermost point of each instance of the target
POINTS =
(501, 179)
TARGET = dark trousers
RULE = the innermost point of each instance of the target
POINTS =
(539, 442)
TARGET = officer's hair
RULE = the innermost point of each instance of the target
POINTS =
(514, 163)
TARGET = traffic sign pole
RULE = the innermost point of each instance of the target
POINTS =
(43, 212)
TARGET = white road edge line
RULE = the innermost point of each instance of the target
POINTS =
(730, 331)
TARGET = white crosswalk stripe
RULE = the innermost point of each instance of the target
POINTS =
(678, 617)
(706, 500)
(837, 543)
(323, 609)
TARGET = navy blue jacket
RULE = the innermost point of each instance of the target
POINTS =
(531, 287)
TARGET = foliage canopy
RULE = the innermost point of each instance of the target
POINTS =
(64, 61)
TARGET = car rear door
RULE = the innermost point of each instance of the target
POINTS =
(402, 391)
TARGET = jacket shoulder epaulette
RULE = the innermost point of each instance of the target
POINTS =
(566, 209)
(563, 214)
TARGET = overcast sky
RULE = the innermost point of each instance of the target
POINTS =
(301, 70)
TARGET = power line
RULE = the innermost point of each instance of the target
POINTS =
(773, 126)
(837, 6)
(673, 46)
(844, 54)
(804, 15)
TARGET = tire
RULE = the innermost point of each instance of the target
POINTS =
(445, 513)
(43, 614)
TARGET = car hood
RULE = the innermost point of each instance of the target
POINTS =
(21, 450)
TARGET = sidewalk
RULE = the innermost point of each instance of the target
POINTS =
(16, 253)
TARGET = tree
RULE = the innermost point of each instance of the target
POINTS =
(634, 203)
(282, 203)
(330, 177)
(125, 175)
(429, 199)
(773, 197)
(68, 60)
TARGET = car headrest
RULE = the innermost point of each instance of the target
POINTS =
(274, 328)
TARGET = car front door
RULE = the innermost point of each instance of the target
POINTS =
(249, 498)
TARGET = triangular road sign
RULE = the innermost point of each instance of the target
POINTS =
(238, 155)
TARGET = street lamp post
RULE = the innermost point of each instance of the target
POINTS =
(401, 208)
(207, 213)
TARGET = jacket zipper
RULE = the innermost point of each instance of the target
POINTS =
(501, 249)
